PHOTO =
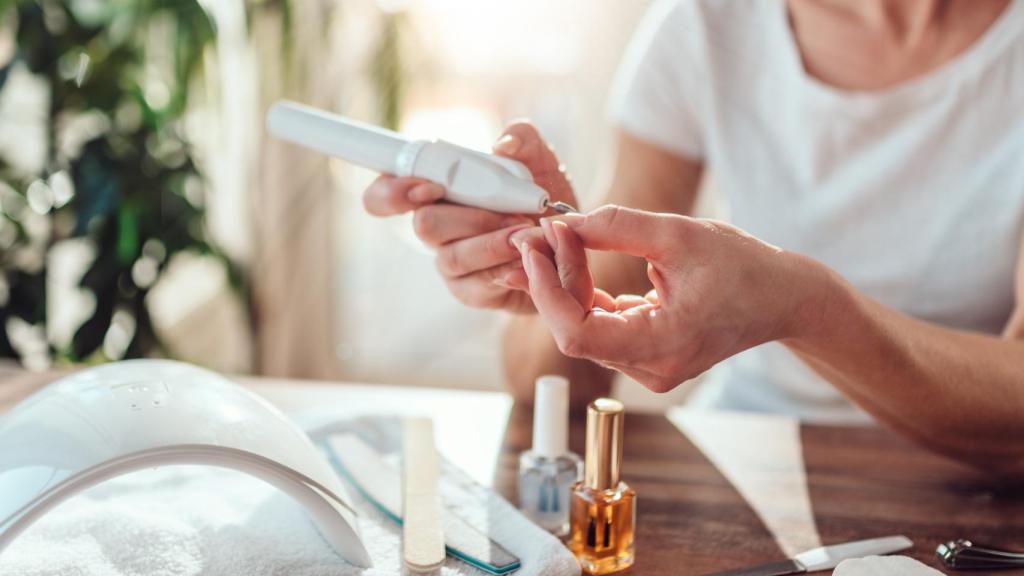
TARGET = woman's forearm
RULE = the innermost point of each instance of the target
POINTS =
(958, 392)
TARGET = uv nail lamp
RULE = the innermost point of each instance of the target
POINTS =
(114, 419)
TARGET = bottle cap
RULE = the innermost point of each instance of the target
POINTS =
(604, 444)
(551, 416)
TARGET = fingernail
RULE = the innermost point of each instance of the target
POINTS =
(425, 193)
(549, 233)
(560, 230)
(515, 239)
(507, 144)
(527, 264)
(573, 220)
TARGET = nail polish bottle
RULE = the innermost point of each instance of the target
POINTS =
(548, 471)
(603, 508)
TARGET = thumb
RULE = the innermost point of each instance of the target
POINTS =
(521, 141)
(651, 235)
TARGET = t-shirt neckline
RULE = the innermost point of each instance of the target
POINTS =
(981, 52)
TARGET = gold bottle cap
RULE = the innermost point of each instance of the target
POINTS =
(604, 444)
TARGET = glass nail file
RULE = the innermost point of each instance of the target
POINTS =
(469, 177)
(380, 483)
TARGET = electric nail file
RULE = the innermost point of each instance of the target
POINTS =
(469, 177)
(381, 484)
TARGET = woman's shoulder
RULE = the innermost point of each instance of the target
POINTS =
(721, 15)
(727, 41)
(716, 28)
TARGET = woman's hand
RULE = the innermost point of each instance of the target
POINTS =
(718, 291)
(474, 254)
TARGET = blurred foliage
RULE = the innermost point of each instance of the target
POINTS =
(387, 71)
(118, 169)
(118, 173)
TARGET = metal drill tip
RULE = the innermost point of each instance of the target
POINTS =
(561, 207)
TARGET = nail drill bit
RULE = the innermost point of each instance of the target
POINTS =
(561, 207)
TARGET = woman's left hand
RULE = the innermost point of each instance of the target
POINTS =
(717, 291)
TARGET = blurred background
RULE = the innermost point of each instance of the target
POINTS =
(145, 212)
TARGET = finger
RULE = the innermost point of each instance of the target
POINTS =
(389, 195)
(482, 295)
(652, 297)
(627, 301)
(603, 300)
(476, 253)
(533, 237)
(521, 141)
(483, 289)
(560, 309)
(650, 235)
(594, 334)
(439, 224)
(658, 280)
(519, 281)
(520, 239)
(571, 262)
(515, 279)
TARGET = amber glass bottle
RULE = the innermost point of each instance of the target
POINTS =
(603, 508)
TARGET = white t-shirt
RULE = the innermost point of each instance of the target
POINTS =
(914, 194)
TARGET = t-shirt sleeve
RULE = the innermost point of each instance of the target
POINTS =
(656, 92)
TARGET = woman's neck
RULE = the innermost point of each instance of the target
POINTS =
(875, 44)
(905, 21)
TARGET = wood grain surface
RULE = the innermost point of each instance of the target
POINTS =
(863, 483)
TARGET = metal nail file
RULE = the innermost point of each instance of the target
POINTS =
(825, 558)
(375, 479)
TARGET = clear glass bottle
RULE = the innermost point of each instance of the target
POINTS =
(544, 487)
(603, 507)
(548, 471)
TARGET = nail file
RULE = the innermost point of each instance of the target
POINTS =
(422, 531)
(825, 557)
(380, 483)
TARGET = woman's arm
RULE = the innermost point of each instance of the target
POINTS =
(957, 392)
(642, 176)
(720, 291)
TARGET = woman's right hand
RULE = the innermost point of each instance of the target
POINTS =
(475, 257)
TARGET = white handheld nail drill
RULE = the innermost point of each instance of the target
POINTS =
(469, 177)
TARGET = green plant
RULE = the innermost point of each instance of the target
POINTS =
(118, 171)
(386, 70)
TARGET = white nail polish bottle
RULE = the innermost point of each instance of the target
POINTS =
(548, 471)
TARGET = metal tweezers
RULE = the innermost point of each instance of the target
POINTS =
(967, 555)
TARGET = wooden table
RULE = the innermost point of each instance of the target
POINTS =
(860, 482)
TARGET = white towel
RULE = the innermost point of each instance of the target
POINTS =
(194, 520)
(884, 566)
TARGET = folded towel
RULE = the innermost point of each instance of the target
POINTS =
(884, 566)
(195, 520)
